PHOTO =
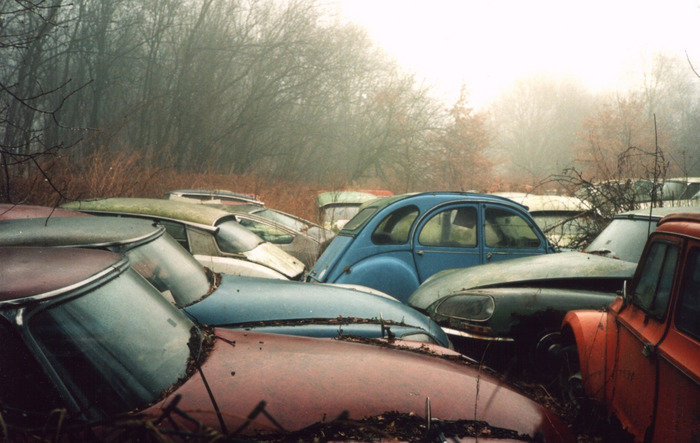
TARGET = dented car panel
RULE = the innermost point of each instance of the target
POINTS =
(312, 310)
(496, 314)
(226, 382)
(650, 378)
(318, 387)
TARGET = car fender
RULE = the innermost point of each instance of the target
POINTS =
(394, 275)
(589, 330)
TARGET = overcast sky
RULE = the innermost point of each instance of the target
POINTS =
(488, 43)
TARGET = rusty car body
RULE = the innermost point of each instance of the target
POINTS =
(184, 383)
(212, 235)
(640, 359)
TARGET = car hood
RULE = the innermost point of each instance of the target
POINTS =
(273, 257)
(330, 257)
(513, 308)
(249, 301)
(261, 382)
(575, 270)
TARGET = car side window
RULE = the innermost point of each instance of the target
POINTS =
(24, 387)
(267, 232)
(656, 279)
(451, 228)
(688, 313)
(395, 227)
(507, 229)
(177, 231)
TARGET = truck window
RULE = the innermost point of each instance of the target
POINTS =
(688, 314)
(654, 287)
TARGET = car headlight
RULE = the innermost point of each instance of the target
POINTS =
(472, 307)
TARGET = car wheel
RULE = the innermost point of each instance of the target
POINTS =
(539, 356)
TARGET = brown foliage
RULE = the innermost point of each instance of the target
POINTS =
(126, 175)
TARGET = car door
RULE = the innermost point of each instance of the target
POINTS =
(509, 234)
(677, 415)
(641, 327)
(446, 238)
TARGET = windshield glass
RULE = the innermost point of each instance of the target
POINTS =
(283, 219)
(171, 269)
(623, 238)
(235, 239)
(337, 216)
(117, 347)
(360, 219)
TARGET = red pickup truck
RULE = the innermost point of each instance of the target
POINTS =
(640, 359)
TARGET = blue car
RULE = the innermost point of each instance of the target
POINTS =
(395, 243)
(222, 300)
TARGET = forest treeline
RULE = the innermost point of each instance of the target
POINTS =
(287, 91)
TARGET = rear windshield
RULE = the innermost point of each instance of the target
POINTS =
(623, 238)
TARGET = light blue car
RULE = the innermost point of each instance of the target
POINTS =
(395, 243)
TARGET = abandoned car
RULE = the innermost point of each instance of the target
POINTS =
(395, 243)
(134, 367)
(640, 359)
(213, 236)
(298, 237)
(225, 300)
(520, 303)
(335, 208)
(565, 220)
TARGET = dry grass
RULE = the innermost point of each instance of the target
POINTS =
(127, 175)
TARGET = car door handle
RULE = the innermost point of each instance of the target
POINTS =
(488, 256)
(419, 252)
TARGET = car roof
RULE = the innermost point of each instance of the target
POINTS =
(217, 193)
(78, 231)
(9, 211)
(547, 202)
(31, 272)
(656, 213)
(383, 202)
(343, 198)
(686, 223)
(160, 208)
(442, 197)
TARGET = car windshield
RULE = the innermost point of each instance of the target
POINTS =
(623, 238)
(562, 223)
(235, 239)
(171, 269)
(283, 219)
(339, 214)
(117, 347)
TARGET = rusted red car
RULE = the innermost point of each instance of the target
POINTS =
(91, 351)
(640, 359)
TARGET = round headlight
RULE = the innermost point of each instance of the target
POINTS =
(472, 307)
